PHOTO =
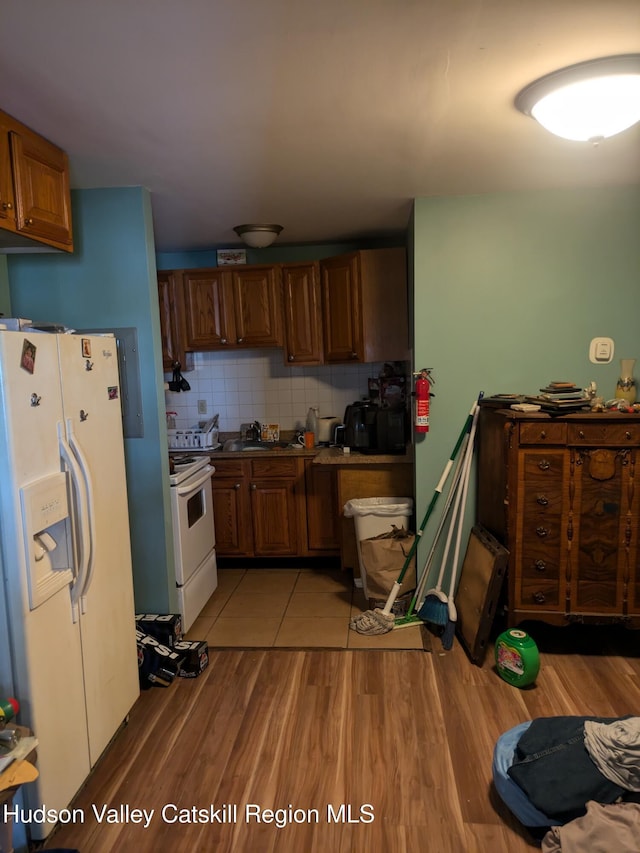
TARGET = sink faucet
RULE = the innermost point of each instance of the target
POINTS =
(254, 431)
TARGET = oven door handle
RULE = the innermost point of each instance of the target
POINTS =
(191, 486)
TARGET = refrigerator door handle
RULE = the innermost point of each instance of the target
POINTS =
(88, 483)
(81, 535)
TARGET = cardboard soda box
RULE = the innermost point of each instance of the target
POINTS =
(165, 627)
(196, 657)
(157, 663)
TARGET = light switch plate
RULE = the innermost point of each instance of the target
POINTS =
(601, 350)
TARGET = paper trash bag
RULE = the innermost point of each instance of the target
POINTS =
(383, 557)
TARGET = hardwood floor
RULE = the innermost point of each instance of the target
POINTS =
(410, 733)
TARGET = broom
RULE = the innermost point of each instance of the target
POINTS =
(382, 621)
(411, 617)
(452, 614)
(435, 608)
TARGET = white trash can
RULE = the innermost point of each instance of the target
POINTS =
(373, 516)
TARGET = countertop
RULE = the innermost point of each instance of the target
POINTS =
(335, 456)
(319, 455)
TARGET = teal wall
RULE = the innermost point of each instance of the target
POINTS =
(509, 290)
(5, 295)
(273, 255)
(110, 281)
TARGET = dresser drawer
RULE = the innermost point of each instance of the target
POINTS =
(604, 434)
(543, 432)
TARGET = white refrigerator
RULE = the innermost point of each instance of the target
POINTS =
(66, 601)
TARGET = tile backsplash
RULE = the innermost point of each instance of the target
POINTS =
(248, 385)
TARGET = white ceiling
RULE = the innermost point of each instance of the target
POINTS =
(325, 116)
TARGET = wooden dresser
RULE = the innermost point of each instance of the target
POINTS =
(560, 494)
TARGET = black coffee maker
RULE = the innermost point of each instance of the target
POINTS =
(360, 426)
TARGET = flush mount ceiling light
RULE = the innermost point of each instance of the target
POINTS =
(258, 236)
(586, 102)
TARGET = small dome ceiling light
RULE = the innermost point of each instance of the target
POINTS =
(258, 236)
(586, 102)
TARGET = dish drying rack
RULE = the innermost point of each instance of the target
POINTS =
(203, 438)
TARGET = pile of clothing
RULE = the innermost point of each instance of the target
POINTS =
(577, 779)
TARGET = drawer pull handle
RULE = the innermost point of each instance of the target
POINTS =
(542, 500)
(539, 597)
(542, 532)
(581, 433)
(627, 434)
(540, 566)
(543, 433)
(544, 465)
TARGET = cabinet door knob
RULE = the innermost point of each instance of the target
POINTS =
(6, 205)
(544, 465)
(354, 355)
(539, 597)
(542, 532)
(542, 500)
(540, 566)
(224, 341)
(28, 221)
(236, 486)
(253, 487)
(240, 340)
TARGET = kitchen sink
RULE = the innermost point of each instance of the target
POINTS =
(234, 445)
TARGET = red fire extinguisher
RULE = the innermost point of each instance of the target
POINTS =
(422, 392)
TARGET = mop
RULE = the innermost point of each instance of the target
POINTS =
(452, 614)
(435, 608)
(411, 617)
(377, 621)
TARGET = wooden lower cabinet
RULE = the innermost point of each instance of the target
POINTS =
(560, 494)
(322, 513)
(232, 508)
(258, 507)
(291, 507)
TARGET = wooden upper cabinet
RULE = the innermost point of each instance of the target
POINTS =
(232, 308)
(342, 308)
(302, 313)
(207, 297)
(35, 196)
(351, 308)
(365, 306)
(7, 202)
(257, 302)
(172, 331)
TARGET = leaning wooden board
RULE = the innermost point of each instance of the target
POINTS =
(483, 571)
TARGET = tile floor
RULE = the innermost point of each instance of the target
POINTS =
(290, 608)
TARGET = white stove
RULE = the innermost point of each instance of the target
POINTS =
(193, 534)
(185, 467)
